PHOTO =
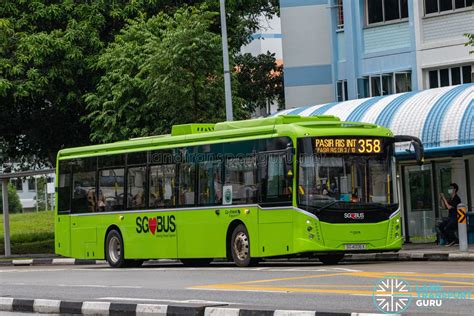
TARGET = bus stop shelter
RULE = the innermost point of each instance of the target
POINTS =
(443, 118)
(5, 178)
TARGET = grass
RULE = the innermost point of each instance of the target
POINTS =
(30, 233)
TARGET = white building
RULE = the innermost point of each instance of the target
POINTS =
(336, 50)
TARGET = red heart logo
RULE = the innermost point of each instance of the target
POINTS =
(152, 225)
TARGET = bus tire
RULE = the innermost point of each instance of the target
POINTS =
(196, 262)
(240, 247)
(114, 250)
(331, 259)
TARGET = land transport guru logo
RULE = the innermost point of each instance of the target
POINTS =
(155, 225)
(394, 295)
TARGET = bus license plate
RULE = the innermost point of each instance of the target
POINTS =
(355, 246)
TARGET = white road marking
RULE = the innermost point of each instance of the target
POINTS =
(161, 300)
(237, 290)
(80, 285)
(348, 270)
(165, 269)
(101, 286)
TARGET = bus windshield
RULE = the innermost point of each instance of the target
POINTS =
(345, 173)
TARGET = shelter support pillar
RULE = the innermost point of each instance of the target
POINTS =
(6, 218)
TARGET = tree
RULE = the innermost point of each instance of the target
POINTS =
(156, 74)
(49, 60)
(470, 42)
(168, 70)
(260, 80)
(14, 204)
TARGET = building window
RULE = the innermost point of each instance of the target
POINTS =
(379, 11)
(449, 76)
(437, 6)
(31, 184)
(17, 183)
(384, 84)
(340, 15)
(341, 90)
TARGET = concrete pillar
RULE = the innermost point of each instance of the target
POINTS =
(6, 219)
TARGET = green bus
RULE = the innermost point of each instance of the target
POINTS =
(245, 190)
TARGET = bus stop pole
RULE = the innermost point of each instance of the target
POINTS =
(225, 57)
(6, 219)
(462, 227)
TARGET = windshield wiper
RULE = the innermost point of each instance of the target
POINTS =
(326, 206)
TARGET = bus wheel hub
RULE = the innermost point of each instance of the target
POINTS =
(241, 246)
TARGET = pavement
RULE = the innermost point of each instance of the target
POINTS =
(409, 252)
(279, 288)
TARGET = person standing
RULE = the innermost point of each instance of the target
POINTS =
(448, 227)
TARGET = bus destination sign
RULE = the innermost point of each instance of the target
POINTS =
(353, 145)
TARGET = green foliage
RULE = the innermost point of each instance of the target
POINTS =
(30, 233)
(53, 53)
(260, 80)
(30, 223)
(168, 70)
(470, 42)
(14, 204)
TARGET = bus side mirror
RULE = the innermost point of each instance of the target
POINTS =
(417, 145)
(419, 153)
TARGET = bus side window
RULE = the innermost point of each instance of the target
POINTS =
(210, 182)
(187, 181)
(162, 183)
(111, 193)
(275, 181)
(136, 183)
(241, 174)
(64, 187)
(136, 180)
(84, 183)
(111, 190)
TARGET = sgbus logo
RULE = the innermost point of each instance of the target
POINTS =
(156, 224)
(354, 215)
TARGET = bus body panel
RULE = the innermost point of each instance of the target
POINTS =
(62, 235)
(275, 227)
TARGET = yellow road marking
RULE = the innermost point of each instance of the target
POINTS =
(369, 274)
(340, 288)
(236, 287)
(365, 285)
(296, 278)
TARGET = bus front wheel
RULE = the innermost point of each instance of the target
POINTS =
(114, 249)
(331, 259)
(240, 247)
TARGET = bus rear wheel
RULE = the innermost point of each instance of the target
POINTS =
(114, 249)
(240, 247)
(331, 259)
